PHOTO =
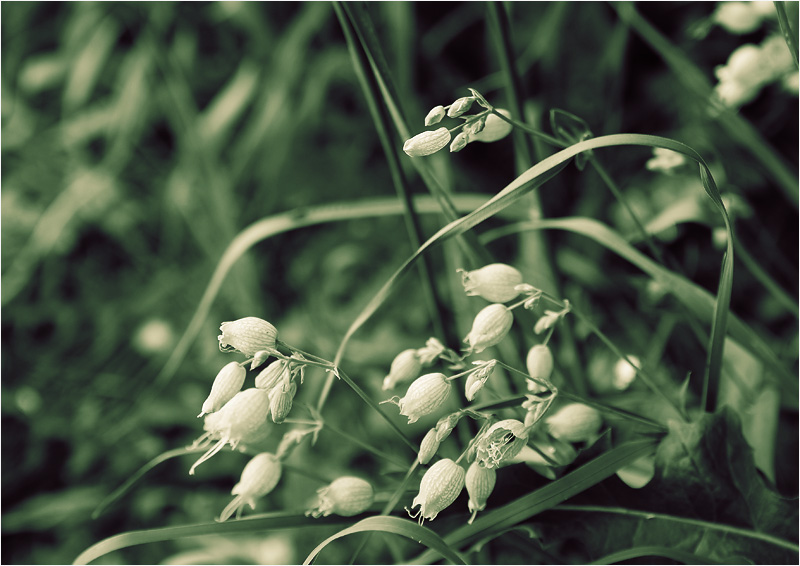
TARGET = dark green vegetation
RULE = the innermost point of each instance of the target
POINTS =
(139, 139)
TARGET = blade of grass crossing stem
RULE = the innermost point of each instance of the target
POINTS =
(394, 525)
(546, 497)
(690, 294)
(540, 173)
(255, 524)
(654, 551)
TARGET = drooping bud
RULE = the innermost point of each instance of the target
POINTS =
(247, 335)
(228, 383)
(536, 407)
(345, 496)
(574, 423)
(459, 142)
(424, 396)
(270, 375)
(496, 282)
(446, 424)
(440, 486)
(489, 327)
(405, 366)
(540, 367)
(259, 477)
(241, 419)
(496, 128)
(427, 143)
(475, 126)
(501, 441)
(428, 447)
(432, 350)
(480, 482)
(435, 115)
(478, 378)
(281, 397)
(460, 106)
(259, 358)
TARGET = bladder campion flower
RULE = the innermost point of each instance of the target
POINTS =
(240, 420)
(575, 422)
(228, 383)
(439, 487)
(495, 129)
(423, 397)
(259, 477)
(345, 496)
(247, 335)
(540, 367)
(496, 282)
(480, 483)
(427, 143)
(489, 327)
(405, 366)
(502, 441)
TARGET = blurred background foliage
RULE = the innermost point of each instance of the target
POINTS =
(139, 138)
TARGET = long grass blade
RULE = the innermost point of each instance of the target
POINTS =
(654, 551)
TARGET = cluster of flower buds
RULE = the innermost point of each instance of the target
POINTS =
(478, 378)
(486, 126)
(345, 496)
(434, 437)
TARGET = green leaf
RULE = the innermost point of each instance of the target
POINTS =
(394, 525)
(642, 551)
(256, 523)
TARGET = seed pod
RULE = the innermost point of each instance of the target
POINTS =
(496, 282)
(460, 106)
(440, 486)
(489, 327)
(428, 447)
(259, 477)
(435, 115)
(480, 482)
(459, 142)
(241, 419)
(281, 398)
(228, 383)
(501, 441)
(496, 128)
(345, 496)
(405, 366)
(427, 143)
(574, 423)
(247, 335)
(424, 396)
(540, 367)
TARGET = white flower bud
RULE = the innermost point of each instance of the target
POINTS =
(460, 106)
(345, 496)
(480, 482)
(540, 367)
(445, 425)
(489, 327)
(625, 373)
(440, 486)
(428, 447)
(424, 396)
(739, 17)
(435, 115)
(247, 335)
(574, 423)
(241, 419)
(432, 350)
(405, 366)
(459, 142)
(270, 375)
(427, 143)
(495, 129)
(259, 477)
(281, 397)
(228, 383)
(259, 358)
(496, 282)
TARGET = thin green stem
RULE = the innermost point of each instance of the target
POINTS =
(364, 445)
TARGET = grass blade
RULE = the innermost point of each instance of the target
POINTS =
(660, 551)
(394, 525)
